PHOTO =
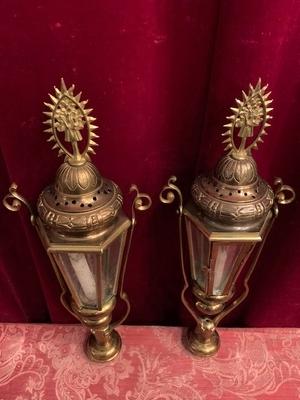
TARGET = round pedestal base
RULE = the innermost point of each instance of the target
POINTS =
(103, 353)
(199, 346)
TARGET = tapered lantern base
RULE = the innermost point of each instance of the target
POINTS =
(199, 345)
(103, 352)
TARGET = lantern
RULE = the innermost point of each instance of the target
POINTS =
(82, 226)
(227, 222)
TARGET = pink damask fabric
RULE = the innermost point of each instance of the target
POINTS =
(44, 362)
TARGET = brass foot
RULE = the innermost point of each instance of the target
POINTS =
(107, 352)
(200, 346)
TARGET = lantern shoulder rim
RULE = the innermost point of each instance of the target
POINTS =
(55, 242)
(216, 232)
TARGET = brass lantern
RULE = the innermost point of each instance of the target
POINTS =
(82, 226)
(227, 222)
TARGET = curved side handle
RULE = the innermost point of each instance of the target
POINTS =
(284, 194)
(167, 196)
(141, 202)
(13, 201)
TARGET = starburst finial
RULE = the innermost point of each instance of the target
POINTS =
(251, 112)
(68, 119)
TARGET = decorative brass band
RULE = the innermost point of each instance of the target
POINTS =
(80, 213)
(232, 204)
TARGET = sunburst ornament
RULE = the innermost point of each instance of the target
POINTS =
(251, 112)
(68, 119)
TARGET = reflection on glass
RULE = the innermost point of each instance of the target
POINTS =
(199, 253)
(85, 273)
(227, 258)
(79, 270)
(110, 268)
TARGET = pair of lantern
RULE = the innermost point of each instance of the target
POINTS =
(84, 230)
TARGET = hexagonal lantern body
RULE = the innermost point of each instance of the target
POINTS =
(218, 256)
(91, 269)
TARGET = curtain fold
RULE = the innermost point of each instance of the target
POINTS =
(161, 77)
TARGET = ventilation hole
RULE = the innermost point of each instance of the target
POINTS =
(94, 198)
(55, 197)
(230, 194)
(66, 203)
(73, 201)
(57, 204)
(245, 194)
(239, 191)
(106, 189)
(217, 190)
(98, 192)
(221, 195)
(90, 205)
(253, 197)
(81, 205)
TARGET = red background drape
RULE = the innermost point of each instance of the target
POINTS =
(161, 76)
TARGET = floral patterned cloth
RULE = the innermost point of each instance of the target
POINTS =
(44, 362)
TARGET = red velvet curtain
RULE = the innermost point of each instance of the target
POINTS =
(161, 76)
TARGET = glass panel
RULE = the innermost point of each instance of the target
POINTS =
(199, 253)
(79, 272)
(110, 267)
(227, 260)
